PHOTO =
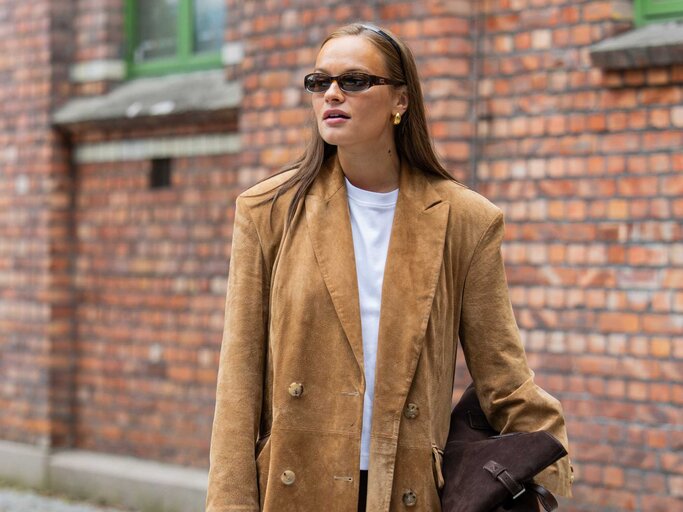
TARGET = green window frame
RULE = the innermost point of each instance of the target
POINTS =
(653, 11)
(185, 59)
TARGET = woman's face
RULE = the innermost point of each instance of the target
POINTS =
(366, 116)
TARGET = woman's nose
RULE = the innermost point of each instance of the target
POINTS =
(334, 92)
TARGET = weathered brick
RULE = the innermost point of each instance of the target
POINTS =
(584, 162)
(660, 503)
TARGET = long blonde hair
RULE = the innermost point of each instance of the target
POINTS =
(411, 136)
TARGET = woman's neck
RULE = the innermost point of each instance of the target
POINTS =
(377, 171)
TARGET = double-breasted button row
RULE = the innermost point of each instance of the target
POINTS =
(411, 411)
(288, 477)
(409, 498)
(296, 389)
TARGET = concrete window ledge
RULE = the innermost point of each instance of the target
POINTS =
(139, 484)
(200, 92)
(659, 44)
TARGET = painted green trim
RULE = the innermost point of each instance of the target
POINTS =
(652, 11)
(185, 29)
(184, 61)
(129, 31)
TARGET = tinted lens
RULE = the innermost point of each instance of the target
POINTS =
(317, 82)
(354, 82)
(349, 82)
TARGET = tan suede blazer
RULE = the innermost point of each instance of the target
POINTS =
(287, 426)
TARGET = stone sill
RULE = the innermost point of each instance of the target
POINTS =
(658, 44)
(197, 93)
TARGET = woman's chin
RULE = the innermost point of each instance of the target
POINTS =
(335, 139)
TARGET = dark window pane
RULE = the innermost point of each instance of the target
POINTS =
(160, 176)
(157, 29)
(209, 20)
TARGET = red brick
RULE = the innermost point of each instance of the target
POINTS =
(678, 302)
(651, 256)
(653, 503)
(660, 347)
(659, 163)
(634, 77)
(658, 76)
(677, 116)
(585, 161)
(660, 118)
(617, 209)
(673, 278)
(655, 483)
(661, 95)
(613, 476)
(672, 185)
(637, 186)
(637, 391)
(656, 439)
(672, 462)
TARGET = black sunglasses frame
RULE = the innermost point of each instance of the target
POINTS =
(371, 80)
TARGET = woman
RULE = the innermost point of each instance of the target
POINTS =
(352, 276)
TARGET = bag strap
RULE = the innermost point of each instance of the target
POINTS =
(500, 473)
(544, 496)
(516, 489)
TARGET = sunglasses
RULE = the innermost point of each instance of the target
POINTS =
(347, 82)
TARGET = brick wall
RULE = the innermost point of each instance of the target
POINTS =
(98, 30)
(588, 168)
(150, 278)
(98, 42)
(35, 212)
(281, 44)
(111, 293)
(151, 269)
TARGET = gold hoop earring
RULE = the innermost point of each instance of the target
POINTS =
(397, 119)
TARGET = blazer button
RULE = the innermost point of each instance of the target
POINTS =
(411, 411)
(409, 498)
(296, 389)
(288, 477)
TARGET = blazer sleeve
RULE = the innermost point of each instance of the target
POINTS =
(232, 473)
(496, 359)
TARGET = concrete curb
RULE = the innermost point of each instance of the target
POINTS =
(23, 463)
(144, 485)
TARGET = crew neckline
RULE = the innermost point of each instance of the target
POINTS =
(368, 197)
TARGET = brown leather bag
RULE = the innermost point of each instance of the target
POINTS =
(487, 472)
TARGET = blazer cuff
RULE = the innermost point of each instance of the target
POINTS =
(558, 477)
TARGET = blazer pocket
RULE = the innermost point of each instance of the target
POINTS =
(262, 466)
(261, 446)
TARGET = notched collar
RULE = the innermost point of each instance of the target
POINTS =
(413, 184)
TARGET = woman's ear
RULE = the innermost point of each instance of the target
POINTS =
(401, 99)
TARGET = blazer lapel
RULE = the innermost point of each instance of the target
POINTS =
(413, 262)
(329, 223)
(410, 277)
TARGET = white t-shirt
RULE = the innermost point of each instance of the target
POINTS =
(372, 215)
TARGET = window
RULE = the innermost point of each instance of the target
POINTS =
(165, 36)
(648, 11)
(160, 173)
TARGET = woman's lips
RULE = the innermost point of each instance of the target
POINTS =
(334, 121)
(334, 117)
